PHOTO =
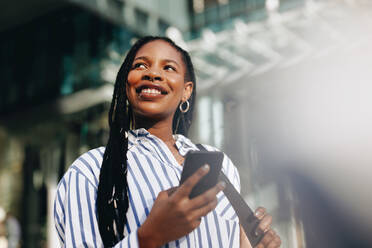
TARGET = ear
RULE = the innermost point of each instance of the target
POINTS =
(188, 88)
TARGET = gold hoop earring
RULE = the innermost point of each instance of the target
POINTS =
(184, 110)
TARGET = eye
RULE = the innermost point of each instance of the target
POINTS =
(139, 66)
(169, 68)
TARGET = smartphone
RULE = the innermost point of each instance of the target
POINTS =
(196, 159)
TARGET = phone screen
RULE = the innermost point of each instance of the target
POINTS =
(196, 159)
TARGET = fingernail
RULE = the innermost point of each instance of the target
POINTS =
(258, 213)
(259, 231)
(222, 185)
(205, 167)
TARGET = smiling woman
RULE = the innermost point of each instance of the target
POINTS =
(126, 194)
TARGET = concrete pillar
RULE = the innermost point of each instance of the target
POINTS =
(50, 159)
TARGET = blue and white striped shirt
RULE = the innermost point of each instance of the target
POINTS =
(151, 169)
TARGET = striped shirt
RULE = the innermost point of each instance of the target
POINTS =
(151, 168)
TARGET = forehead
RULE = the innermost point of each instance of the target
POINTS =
(160, 49)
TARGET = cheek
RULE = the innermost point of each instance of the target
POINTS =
(177, 83)
(133, 77)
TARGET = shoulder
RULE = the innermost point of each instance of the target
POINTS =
(87, 165)
(226, 160)
(211, 148)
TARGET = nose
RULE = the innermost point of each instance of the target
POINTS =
(152, 75)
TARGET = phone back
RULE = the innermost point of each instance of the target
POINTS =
(196, 159)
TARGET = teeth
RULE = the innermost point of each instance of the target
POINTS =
(151, 91)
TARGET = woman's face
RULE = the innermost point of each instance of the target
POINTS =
(156, 83)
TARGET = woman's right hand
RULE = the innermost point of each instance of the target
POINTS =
(175, 215)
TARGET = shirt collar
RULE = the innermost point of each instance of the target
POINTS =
(183, 144)
(138, 133)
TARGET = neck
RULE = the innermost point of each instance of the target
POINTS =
(161, 129)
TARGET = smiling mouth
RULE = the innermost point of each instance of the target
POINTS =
(150, 91)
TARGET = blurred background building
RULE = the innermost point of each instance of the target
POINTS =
(283, 88)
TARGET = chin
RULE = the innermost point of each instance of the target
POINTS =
(155, 110)
(153, 114)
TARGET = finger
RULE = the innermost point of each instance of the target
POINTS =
(275, 243)
(207, 196)
(268, 237)
(203, 211)
(170, 191)
(185, 189)
(264, 224)
(195, 223)
(260, 212)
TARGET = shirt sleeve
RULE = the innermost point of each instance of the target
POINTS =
(75, 214)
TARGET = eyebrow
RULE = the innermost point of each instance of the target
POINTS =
(141, 57)
(171, 61)
(166, 60)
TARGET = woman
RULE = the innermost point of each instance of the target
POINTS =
(124, 195)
